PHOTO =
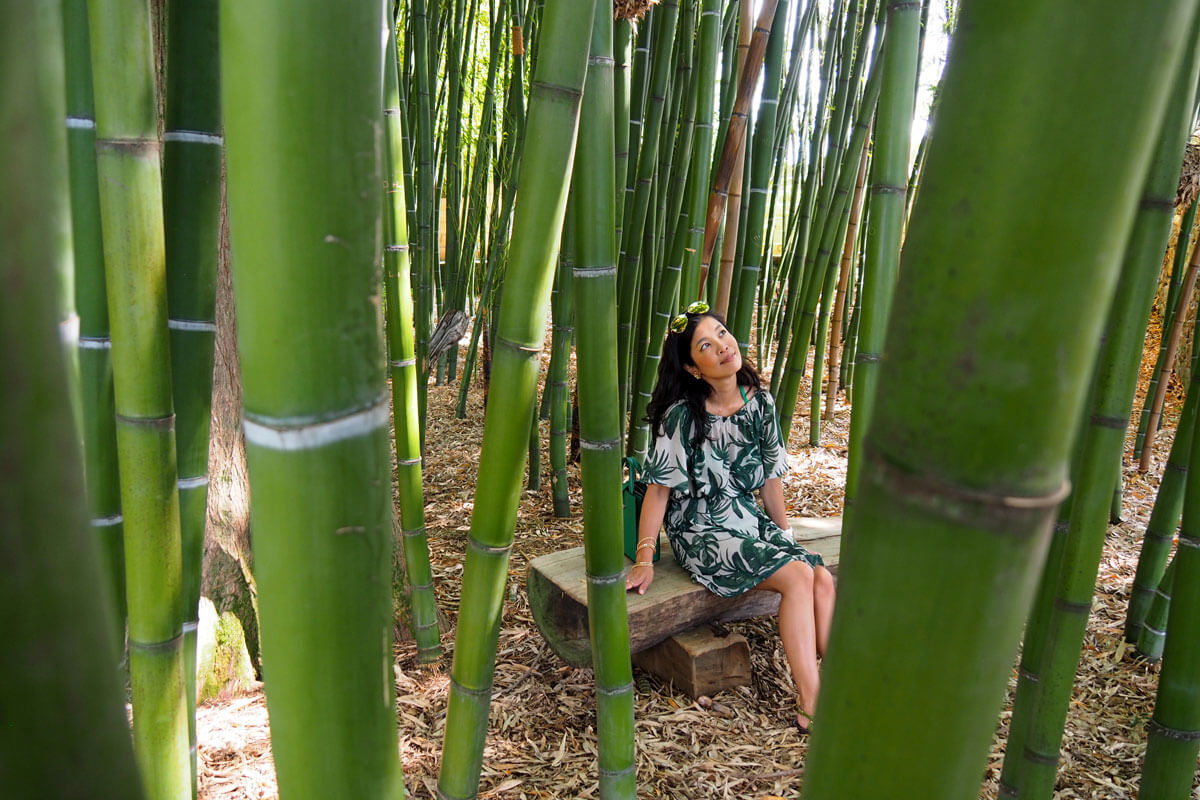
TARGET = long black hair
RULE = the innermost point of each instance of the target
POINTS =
(676, 383)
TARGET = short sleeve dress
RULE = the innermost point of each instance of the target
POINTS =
(717, 530)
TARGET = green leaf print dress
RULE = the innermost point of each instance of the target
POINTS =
(718, 531)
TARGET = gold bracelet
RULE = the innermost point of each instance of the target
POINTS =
(643, 545)
(644, 564)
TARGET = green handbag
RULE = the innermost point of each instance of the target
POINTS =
(631, 496)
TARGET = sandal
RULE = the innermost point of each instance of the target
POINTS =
(804, 727)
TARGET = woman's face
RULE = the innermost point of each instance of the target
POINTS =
(714, 350)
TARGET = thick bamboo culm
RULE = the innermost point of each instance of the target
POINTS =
(593, 203)
(192, 148)
(932, 499)
(1098, 458)
(131, 211)
(95, 345)
(305, 170)
(65, 734)
(402, 368)
(552, 123)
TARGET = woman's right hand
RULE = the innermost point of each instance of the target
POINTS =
(639, 578)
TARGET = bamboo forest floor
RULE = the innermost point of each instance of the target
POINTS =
(542, 739)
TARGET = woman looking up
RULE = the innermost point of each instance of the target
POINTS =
(716, 442)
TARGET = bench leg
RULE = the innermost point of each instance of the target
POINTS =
(698, 661)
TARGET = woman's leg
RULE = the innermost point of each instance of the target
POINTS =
(822, 606)
(797, 627)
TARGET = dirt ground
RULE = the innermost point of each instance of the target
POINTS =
(541, 738)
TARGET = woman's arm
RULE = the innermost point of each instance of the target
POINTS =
(772, 498)
(654, 508)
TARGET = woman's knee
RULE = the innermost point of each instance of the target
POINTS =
(823, 583)
(795, 576)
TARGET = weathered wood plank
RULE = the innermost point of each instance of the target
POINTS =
(557, 587)
(699, 661)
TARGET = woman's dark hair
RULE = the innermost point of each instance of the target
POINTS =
(676, 383)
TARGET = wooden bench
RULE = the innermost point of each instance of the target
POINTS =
(674, 604)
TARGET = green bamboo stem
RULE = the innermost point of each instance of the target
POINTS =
(304, 170)
(65, 733)
(1182, 241)
(889, 173)
(131, 210)
(1171, 338)
(562, 309)
(425, 244)
(191, 215)
(970, 503)
(402, 368)
(1164, 518)
(552, 123)
(1153, 632)
(594, 205)
(95, 346)
(1061, 637)
(836, 325)
(1173, 743)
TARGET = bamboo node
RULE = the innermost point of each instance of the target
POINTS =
(1039, 758)
(485, 692)
(1175, 734)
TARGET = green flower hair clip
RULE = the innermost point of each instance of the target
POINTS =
(680, 321)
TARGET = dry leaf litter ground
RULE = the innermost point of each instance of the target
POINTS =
(541, 739)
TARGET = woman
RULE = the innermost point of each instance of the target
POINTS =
(717, 441)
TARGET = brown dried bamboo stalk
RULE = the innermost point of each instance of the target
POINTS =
(733, 214)
(736, 137)
(1164, 376)
(839, 303)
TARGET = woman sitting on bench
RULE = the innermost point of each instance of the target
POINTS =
(716, 442)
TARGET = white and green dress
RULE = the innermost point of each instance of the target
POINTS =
(718, 531)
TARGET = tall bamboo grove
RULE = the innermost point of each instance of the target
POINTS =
(64, 733)
(303, 127)
(954, 519)
(552, 123)
(131, 214)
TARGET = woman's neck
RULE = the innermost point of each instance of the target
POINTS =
(725, 397)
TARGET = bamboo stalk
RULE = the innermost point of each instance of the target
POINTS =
(303, 143)
(1098, 465)
(192, 151)
(934, 500)
(65, 733)
(402, 367)
(1168, 359)
(131, 210)
(95, 345)
(1172, 745)
(593, 203)
(839, 304)
(1153, 634)
(1164, 517)
(889, 174)
(552, 123)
